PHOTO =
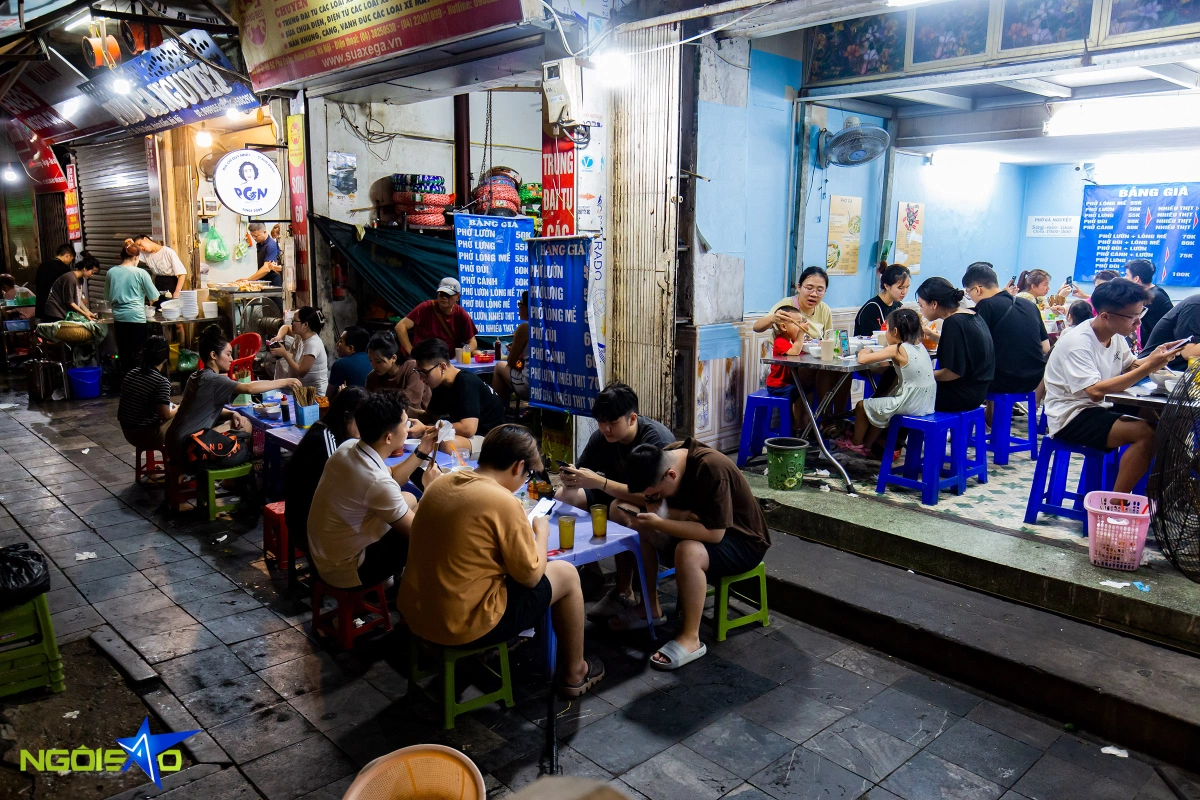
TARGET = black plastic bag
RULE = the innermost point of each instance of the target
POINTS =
(23, 575)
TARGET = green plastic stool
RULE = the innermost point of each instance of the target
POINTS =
(207, 494)
(37, 663)
(721, 612)
(451, 708)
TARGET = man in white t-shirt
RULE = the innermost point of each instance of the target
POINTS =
(360, 519)
(169, 273)
(1093, 360)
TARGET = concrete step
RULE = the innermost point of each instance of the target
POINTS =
(1115, 686)
(1011, 565)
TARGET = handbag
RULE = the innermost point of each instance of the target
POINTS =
(210, 444)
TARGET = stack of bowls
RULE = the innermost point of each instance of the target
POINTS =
(190, 309)
(171, 309)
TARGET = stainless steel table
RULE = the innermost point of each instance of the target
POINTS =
(845, 367)
(1153, 401)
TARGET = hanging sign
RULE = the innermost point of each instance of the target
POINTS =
(562, 366)
(290, 40)
(845, 225)
(37, 158)
(71, 206)
(247, 182)
(910, 228)
(558, 186)
(1157, 222)
(1041, 226)
(493, 268)
(169, 88)
(298, 195)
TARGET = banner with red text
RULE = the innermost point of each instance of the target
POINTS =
(558, 186)
(298, 194)
(71, 206)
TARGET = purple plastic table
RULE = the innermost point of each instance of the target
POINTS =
(588, 549)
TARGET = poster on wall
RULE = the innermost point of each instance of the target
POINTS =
(298, 200)
(1045, 226)
(343, 184)
(562, 366)
(845, 225)
(71, 206)
(493, 268)
(910, 230)
(1157, 222)
(558, 186)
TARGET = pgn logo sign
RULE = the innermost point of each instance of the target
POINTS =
(247, 182)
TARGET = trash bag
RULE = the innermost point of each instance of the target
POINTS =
(188, 360)
(214, 246)
(23, 575)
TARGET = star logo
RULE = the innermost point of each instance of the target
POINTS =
(143, 748)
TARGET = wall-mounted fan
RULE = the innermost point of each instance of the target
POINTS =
(855, 144)
(208, 164)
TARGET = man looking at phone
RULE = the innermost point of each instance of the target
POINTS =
(1181, 322)
(1093, 360)
(600, 476)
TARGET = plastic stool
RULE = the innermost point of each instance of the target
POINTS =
(972, 433)
(208, 498)
(350, 603)
(179, 491)
(1049, 489)
(36, 664)
(275, 535)
(451, 708)
(1043, 426)
(756, 423)
(1002, 443)
(154, 464)
(924, 454)
(721, 613)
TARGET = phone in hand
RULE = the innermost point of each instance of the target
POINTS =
(1173, 347)
(1070, 281)
(630, 510)
(563, 464)
(1012, 281)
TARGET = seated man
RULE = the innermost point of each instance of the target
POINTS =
(1017, 325)
(1092, 360)
(359, 521)
(600, 474)
(477, 575)
(509, 375)
(66, 293)
(461, 397)
(713, 527)
(1181, 322)
(353, 365)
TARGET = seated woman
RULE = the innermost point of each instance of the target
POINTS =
(815, 319)
(391, 372)
(145, 410)
(1034, 285)
(966, 357)
(192, 439)
(509, 376)
(304, 357)
(894, 280)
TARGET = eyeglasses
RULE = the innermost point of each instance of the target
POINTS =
(1130, 316)
(425, 372)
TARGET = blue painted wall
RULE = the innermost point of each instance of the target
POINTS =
(721, 157)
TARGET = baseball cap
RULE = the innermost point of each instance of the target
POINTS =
(449, 286)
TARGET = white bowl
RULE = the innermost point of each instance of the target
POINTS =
(1170, 385)
(210, 310)
(171, 304)
(1161, 377)
(813, 349)
(170, 313)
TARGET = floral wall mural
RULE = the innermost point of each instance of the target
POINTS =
(866, 46)
(950, 30)
(1030, 23)
(1130, 16)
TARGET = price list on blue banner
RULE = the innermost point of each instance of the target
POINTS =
(1157, 222)
(493, 268)
(562, 365)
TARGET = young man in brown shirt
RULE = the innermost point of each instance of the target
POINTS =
(713, 527)
(477, 572)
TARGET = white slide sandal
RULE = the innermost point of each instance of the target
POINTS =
(676, 656)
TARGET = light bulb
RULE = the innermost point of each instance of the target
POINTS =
(10, 175)
(233, 114)
(70, 107)
(203, 138)
(121, 86)
(613, 67)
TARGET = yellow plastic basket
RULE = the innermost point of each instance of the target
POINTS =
(420, 772)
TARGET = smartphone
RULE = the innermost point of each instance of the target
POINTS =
(1070, 281)
(630, 510)
(1012, 281)
(844, 337)
(563, 464)
(1177, 346)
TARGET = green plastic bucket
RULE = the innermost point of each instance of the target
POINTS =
(785, 462)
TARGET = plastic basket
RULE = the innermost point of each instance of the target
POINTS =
(420, 772)
(1117, 525)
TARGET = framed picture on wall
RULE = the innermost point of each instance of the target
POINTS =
(910, 228)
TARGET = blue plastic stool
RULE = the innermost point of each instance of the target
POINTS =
(972, 434)
(756, 423)
(924, 454)
(1043, 425)
(1002, 443)
(1048, 493)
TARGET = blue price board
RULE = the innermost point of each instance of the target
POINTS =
(1157, 222)
(493, 268)
(562, 367)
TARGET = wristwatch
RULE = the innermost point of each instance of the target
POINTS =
(422, 456)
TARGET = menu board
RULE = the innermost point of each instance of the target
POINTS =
(493, 268)
(1157, 222)
(845, 228)
(910, 229)
(562, 366)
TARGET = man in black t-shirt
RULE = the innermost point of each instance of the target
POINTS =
(1017, 329)
(461, 397)
(1181, 322)
(1141, 272)
(599, 475)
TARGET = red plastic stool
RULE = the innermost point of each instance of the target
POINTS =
(178, 490)
(350, 603)
(154, 464)
(275, 535)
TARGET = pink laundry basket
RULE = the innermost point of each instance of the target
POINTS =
(1117, 525)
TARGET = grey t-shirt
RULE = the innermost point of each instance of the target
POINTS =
(608, 458)
(204, 397)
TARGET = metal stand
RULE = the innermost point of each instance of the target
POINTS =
(822, 407)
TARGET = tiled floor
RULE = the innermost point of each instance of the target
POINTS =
(783, 712)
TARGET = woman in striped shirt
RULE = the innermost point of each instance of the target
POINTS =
(145, 410)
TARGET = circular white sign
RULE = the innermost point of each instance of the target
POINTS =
(247, 182)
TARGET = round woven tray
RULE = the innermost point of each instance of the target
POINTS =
(76, 334)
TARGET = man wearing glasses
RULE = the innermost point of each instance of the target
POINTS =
(472, 407)
(1093, 360)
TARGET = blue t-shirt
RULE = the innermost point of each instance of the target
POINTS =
(269, 251)
(351, 370)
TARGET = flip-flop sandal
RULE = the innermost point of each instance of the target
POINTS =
(676, 656)
(594, 675)
(629, 620)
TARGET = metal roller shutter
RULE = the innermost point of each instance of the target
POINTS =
(114, 201)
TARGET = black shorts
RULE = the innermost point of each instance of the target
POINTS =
(733, 555)
(384, 559)
(1091, 426)
(525, 608)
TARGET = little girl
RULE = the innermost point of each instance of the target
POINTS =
(789, 341)
(914, 394)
